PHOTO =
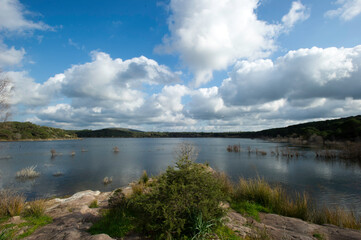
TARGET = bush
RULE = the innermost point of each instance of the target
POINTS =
(173, 205)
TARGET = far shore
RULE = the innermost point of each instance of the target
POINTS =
(40, 140)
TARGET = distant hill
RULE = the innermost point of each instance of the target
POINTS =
(14, 131)
(109, 132)
(334, 130)
(339, 129)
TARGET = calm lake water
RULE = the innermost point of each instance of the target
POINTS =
(327, 182)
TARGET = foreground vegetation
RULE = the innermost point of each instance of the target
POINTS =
(186, 202)
(32, 215)
(14, 131)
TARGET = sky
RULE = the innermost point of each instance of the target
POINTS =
(181, 65)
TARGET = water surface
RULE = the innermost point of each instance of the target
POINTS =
(328, 182)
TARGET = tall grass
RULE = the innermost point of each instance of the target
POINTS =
(337, 216)
(277, 200)
(11, 203)
(35, 208)
(28, 172)
(274, 198)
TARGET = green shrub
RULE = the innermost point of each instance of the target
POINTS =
(179, 195)
(176, 202)
(115, 223)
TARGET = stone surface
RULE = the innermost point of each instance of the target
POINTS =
(72, 217)
(280, 227)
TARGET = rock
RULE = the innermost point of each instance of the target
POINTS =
(280, 227)
(99, 237)
(16, 220)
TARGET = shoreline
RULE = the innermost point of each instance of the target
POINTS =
(41, 140)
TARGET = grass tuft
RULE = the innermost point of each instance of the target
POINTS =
(94, 204)
(35, 208)
(11, 203)
(107, 180)
(27, 173)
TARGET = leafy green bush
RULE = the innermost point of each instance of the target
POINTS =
(171, 206)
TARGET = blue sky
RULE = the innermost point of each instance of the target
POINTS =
(181, 65)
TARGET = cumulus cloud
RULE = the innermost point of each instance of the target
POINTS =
(347, 11)
(12, 18)
(303, 85)
(212, 35)
(297, 13)
(26, 91)
(10, 56)
(104, 91)
(301, 74)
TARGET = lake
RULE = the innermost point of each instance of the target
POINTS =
(327, 182)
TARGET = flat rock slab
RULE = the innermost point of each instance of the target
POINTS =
(72, 217)
(280, 227)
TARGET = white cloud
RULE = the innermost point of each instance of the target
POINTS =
(12, 18)
(302, 74)
(26, 91)
(10, 56)
(211, 34)
(104, 92)
(347, 11)
(297, 13)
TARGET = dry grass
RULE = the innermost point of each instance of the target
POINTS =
(144, 178)
(260, 152)
(278, 201)
(289, 153)
(115, 149)
(326, 154)
(138, 188)
(11, 203)
(226, 183)
(27, 173)
(337, 216)
(35, 208)
(351, 151)
(234, 148)
(107, 180)
(274, 198)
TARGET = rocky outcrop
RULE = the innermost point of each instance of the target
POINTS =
(274, 226)
(72, 218)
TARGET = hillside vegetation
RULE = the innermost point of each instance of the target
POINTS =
(334, 130)
(13, 131)
(343, 129)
